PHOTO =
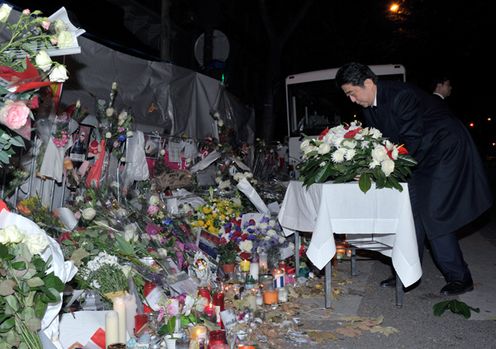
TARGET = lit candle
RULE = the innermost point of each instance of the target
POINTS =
(198, 332)
(270, 296)
(209, 310)
(259, 299)
(244, 265)
(120, 308)
(111, 328)
(263, 262)
(254, 270)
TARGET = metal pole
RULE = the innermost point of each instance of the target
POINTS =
(327, 286)
(297, 252)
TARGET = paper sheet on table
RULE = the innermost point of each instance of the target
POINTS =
(79, 326)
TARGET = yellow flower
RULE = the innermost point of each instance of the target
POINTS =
(212, 230)
(200, 223)
(206, 210)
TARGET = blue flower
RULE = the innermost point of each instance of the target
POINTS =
(121, 138)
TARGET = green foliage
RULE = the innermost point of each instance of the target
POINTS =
(455, 307)
(228, 252)
(26, 289)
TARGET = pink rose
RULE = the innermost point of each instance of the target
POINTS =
(152, 209)
(45, 24)
(14, 115)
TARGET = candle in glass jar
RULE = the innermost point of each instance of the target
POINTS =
(120, 308)
(259, 298)
(111, 328)
(263, 262)
(270, 296)
(251, 301)
(244, 265)
(198, 333)
(282, 294)
(254, 269)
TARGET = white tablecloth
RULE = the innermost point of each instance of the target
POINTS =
(342, 208)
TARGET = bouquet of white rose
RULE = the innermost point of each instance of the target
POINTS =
(347, 152)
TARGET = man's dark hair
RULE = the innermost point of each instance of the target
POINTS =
(355, 74)
(438, 80)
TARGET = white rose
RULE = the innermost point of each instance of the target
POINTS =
(58, 74)
(379, 153)
(65, 39)
(36, 243)
(220, 123)
(324, 148)
(282, 239)
(108, 135)
(350, 144)
(4, 238)
(246, 246)
(14, 235)
(43, 60)
(59, 25)
(162, 252)
(376, 134)
(338, 155)
(88, 213)
(109, 112)
(154, 200)
(122, 118)
(5, 13)
(130, 233)
(387, 166)
(271, 232)
(162, 152)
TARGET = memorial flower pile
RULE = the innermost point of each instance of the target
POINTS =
(213, 215)
(347, 152)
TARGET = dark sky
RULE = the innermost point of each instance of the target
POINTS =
(428, 37)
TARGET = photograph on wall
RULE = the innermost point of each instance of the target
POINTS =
(153, 144)
(81, 139)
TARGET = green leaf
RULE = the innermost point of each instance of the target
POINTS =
(7, 287)
(124, 246)
(7, 325)
(12, 302)
(440, 308)
(20, 265)
(35, 282)
(52, 281)
(4, 252)
(365, 183)
(455, 307)
(40, 307)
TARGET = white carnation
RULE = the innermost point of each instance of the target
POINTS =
(88, 213)
(324, 148)
(350, 154)
(338, 155)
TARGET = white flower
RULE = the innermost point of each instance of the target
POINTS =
(236, 201)
(65, 39)
(88, 213)
(387, 166)
(373, 164)
(126, 270)
(108, 135)
(271, 232)
(58, 74)
(162, 152)
(350, 154)
(379, 153)
(59, 25)
(129, 134)
(188, 304)
(225, 184)
(392, 149)
(220, 123)
(162, 252)
(109, 112)
(36, 243)
(5, 12)
(324, 148)
(43, 60)
(304, 144)
(154, 200)
(376, 134)
(11, 234)
(121, 119)
(246, 246)
(348, 143)
(338, 155)
(282, 239)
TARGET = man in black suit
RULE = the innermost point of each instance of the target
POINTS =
(441, 87)
(448, 188)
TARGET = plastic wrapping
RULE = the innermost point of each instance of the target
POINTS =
(136, 167)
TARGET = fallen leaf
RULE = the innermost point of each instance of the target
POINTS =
(384, 330)
(321, 336)
(349, 331)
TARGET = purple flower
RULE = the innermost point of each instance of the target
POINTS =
(152, 229)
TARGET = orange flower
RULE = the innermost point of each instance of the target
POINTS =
(23, 209)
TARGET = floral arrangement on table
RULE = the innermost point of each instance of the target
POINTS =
(346, 152)
(26, 288)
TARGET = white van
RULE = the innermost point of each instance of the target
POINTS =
(314, 102)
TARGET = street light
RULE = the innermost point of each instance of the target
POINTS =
(395, 7)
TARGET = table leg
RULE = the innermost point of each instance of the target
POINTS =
(297, 244)
(327, 285)
(399, 292)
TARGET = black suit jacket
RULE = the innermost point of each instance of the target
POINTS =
(448, 188)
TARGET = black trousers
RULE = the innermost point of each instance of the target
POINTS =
(448, 257)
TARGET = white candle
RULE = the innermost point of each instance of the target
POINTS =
(111, 328)
(262, 261)
(131, 307)
(254, 270)
(120, 308)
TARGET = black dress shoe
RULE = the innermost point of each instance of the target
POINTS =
(454, 288)
(390, 282)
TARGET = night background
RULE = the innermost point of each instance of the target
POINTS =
(271, 39)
